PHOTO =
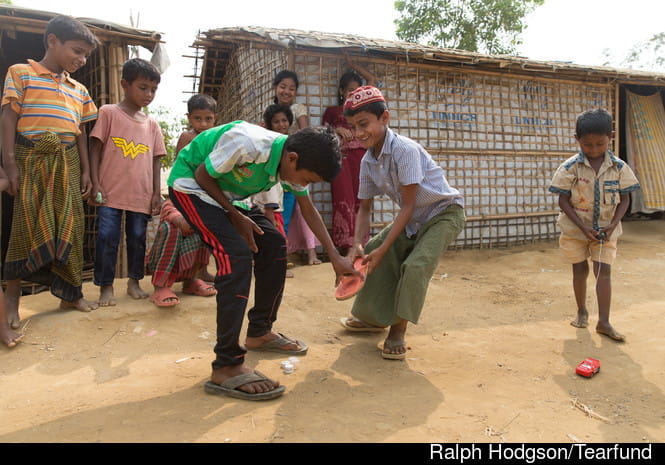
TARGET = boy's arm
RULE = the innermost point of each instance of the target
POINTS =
(244, 225)
(370, 79)
(95, 156)
(8, 122)
(567, 208)
(622, 208)
(407, 206)
(4, 182)
(82, 143)
(313, 219)
(362, 228)
(156, 201)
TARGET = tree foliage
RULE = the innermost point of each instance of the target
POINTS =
(646, 56)
(172, 126)
(487, 26)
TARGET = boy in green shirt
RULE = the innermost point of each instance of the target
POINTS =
(229, 163)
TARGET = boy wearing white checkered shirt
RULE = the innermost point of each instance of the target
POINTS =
(403, 256)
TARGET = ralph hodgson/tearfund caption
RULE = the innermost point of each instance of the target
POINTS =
(532, 453)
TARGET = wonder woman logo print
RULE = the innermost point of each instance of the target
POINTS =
(130, 149)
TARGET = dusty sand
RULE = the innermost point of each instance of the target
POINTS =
(493, 359)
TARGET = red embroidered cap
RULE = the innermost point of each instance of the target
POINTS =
(362, 96)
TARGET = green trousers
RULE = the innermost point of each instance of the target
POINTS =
(396, 290)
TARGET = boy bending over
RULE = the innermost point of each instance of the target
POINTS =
(593, 188)
(403, 256)
(232, 162)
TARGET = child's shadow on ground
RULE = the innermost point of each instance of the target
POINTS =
(619, 392)
(183, 416)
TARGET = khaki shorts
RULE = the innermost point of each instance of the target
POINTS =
(578, 250)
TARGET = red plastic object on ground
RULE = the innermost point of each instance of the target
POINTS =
(588, 367)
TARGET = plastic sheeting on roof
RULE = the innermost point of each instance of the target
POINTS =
(314, 39)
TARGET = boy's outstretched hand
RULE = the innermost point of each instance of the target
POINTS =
(342, 266)
(373, 259)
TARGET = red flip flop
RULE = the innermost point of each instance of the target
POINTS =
(351, 284)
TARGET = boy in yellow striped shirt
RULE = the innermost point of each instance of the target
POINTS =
(44, 153)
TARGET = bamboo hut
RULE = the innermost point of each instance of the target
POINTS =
(21, 37)
(498, 125)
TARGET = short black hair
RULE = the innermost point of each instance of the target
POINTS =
(598, 121)
(138, 67)
(201, 102)
(376, 108)
(318, 151)
(67, 28)
(274, 109)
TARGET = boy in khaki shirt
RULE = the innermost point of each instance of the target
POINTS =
(593, 187)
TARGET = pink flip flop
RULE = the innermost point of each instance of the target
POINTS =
(351, 284)
(200, 288)
(164, 297)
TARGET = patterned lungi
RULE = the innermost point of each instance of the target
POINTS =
(175, 256)
(46, 240)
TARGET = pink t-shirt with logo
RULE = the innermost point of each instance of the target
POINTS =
(126, 167)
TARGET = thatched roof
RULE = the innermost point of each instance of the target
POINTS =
(297, 39)
(16, 18)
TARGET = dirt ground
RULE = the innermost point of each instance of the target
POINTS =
(493, 359)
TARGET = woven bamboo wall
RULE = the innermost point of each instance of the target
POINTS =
(499, 137)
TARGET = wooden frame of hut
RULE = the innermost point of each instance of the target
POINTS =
(21, 37)
(498, 125)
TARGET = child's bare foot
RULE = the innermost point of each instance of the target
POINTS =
(106, 297)
(13, 320)
(606, 329)
(12, 296)
(134, 289)
(312, 259)
(9, 337)
(582, 320)
(81, 305)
